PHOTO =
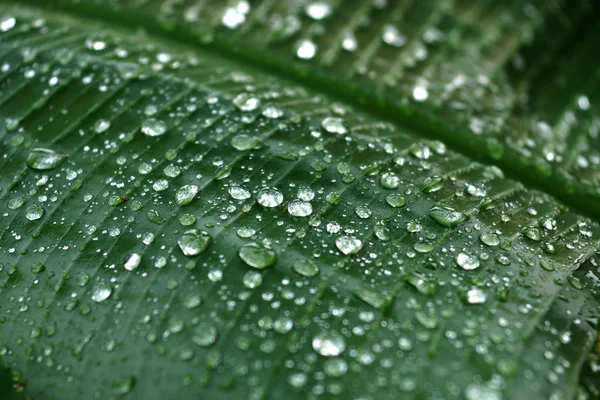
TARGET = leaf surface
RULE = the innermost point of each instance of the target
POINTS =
(175, 223)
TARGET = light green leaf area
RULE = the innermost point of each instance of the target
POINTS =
(176, 225)
(512, 83)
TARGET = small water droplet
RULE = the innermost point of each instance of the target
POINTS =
(101, 125)
(395, 200)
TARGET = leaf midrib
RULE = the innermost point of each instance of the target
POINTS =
(559, 184)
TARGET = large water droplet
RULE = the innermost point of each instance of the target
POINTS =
(246, 102)
(44, 159)
(194, 242)
(186, 194)
(475, 296)
(133, 262)
(389, 180)
(205, 335)
(329, 344)
(300, 208)
(269, 197)
(306, 49)
(257, 256)
(244, 142)
(318, 10)
(153, 127)
(334, 125)
(239, 192)
(467, 261)
(447, 216)
(101, 292)
(34, 212)
(348, 244)
(306, 268)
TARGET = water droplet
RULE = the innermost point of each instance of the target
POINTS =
(395, 200)
(155, 217)
(239, 192)
(252, 279)
(489, 239)
(257, 256)
(44, 159)
(329, 344)
(420, 93)
(16, 203)
(363, 212)
(466, 261)
(194, 242)
(475, 296)
(432, 184)
(133, 262)
(334, 125)
(273, 112)
(476, 190)
(348, 244)
(153, 127)
(160, 185)
(297, 379)
(392, 36)
(185, 220)
(101, 292)
(389, 180)
(270, 197)
(306, 268)
(335, 367)
(532, 233)
(245, 102)
(446, 216)
(34, 212)
(186, 194)
(305, 193)
(7, 24)
(233, 18)
(479, 391)
(318, 10)
(300, 208)
(123, 386)
(101, 125)
(306, 49)
(244, 142)
(205, 335)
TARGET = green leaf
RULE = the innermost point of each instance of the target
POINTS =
(177, 224)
